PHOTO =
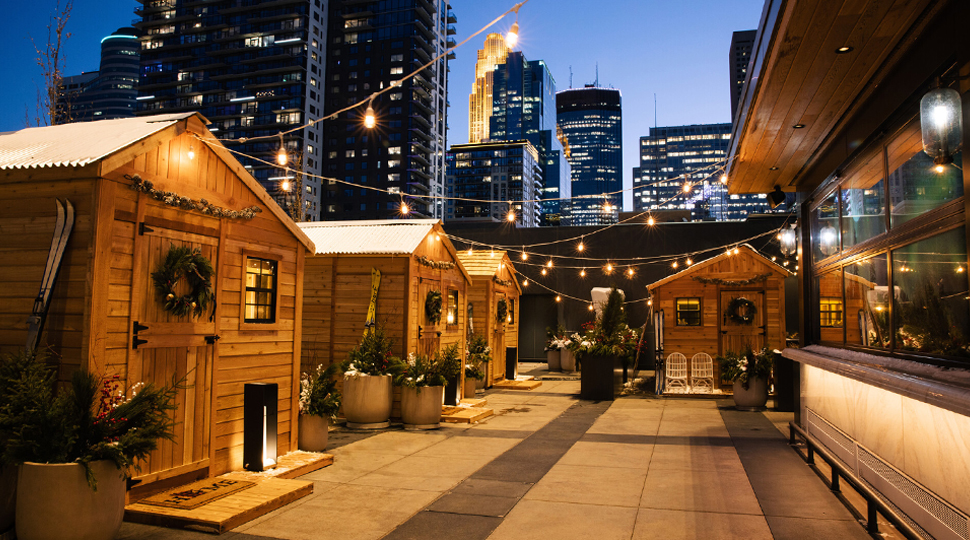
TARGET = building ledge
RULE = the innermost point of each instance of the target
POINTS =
(946, 388)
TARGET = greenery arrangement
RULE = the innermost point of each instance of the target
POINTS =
(478, 354)
(318, 392)
(502, 311)
(91, 419)
(608, 335)
(557, 339)
(432, 306)
(421, 371)
(372, 356)
(746, 365)
(741, 310)
(183, 261)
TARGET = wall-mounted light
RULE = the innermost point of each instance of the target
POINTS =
(941, 120)
(828, 240)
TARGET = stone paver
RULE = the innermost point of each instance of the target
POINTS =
(551, 466)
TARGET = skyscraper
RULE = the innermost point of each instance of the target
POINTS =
(254, 70)
(742, 43)
(591, 119)
(493, 53)
(109, 92)
(372, 46)
(505, 173)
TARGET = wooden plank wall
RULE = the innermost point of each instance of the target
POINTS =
(27, 216)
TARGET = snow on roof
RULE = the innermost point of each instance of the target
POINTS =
(370, 237)
(78, 144)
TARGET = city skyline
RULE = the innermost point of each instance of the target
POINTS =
(688, 74)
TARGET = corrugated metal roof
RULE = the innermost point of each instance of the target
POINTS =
(481, 263)
(368, 237)
(79, 144)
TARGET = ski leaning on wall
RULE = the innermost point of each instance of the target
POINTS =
(62, 231)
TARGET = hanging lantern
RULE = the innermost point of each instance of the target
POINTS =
(788, 240)
(942, 122)
(828, 240)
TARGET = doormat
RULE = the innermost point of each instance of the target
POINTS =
(198, 493)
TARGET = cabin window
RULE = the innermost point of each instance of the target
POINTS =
(260, 302)
(511, 317)
(830, 312)
(688, 312)
(451, 317)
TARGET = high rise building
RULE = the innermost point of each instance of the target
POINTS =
(495, 172)
(490, 56)
(524, 108)
(109, 92)
(591, 119)
(673, 156)
(372, 46)
(255, 70)
(742, 44)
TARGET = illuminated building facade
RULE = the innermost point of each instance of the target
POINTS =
(490, 57)
(741, 45)
(494, 171)
(591, 120)
(109, 92)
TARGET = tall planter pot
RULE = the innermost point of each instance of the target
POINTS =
(601, 378)
(314, 432)
(367, 401)
(754, 398)
(8, 496)
(55, 502)
(421, 407)
(567, 361)
(552, 358)
(469, 388)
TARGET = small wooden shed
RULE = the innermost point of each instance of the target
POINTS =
(140, 187)
(414, 257)
(696, 303)
(493, 279)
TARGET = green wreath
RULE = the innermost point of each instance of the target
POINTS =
(741, 310)
(183, 261)
(502, 313)
(432, 306)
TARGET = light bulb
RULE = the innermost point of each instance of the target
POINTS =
(405, 209)
(687, 188)
(470, 252)
(549, 264)
(651, 221)
(370, 120)
(285, 185)
(513, 36)
(582, 273)
(736, 251)
(609, 268)
(543, 271)
(689, 262)
(511, 216)
(558, 298)
(629, 272)
(191, 152)
(282, 158)
(724, 179)
(674, 265)
(525, 283)
(525, 256)
(941, 115)
(590, 307)
(939, 169)
(580, 247)
(649, 302)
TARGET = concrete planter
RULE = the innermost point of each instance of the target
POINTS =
(754, 398)
(367, 401)
(567, 361)
(8, 496)
(553, 359)
(314, 432)
(55, 502)
(421, 407)
(470, 386)
(601, 378)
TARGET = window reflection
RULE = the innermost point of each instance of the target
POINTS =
(932, 307)
(867, 302)
(915, 184)
(825, 228)
(830, 312)
(864, 203)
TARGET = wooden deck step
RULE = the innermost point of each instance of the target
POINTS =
(464, 415)
(517, 385)
(480, 403)
(274, 489)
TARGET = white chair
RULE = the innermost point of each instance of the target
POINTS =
(676, 374)
(702, 373)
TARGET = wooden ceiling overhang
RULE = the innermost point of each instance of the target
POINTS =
(807, 105)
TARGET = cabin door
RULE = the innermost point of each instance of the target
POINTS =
(736, 333)
(171, 348)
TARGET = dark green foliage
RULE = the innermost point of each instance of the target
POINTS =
(449, 362)
(502, 311)
(746, 365)
(26, 392)
(614, 317)
(372, 356)
(432, 306)
(478, 353)
(318, 392)
(420, 371)
(184, 261)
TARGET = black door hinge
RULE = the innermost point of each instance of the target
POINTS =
(211, 339)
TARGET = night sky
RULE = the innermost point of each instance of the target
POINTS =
(676, 50)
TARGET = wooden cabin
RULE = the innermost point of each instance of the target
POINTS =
(414, 257)
(696, 301)
(493, 279)
(138, 187)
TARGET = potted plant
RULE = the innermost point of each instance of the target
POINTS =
(422, 384)
(478, 357)
(75, 448)
(603, 351)
(319, 403)
(368, 381)
(554, 346)
(749, 371)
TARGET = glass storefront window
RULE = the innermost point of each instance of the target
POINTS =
(864, 203)
(825, 228)
(867, 302)
(916, 185)
(830, 312)
(932, 308)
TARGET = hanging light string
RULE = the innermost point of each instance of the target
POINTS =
(576, 298)
(394, 84)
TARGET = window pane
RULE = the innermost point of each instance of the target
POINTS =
(867, 302)
(266, 282)
(825, 228)
(688, 312)
(452, 315)
(828, 289)
(250, 312)
(250, 279)
(915, 186)
(931, 287)
(864, 203)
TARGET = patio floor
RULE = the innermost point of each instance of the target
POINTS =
(548, 465)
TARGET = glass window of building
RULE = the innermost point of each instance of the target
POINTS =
(864, 203)
(825, 228)
(260, 301)
(828, 288)
(916, 185)
(688, 311)
(451, 316)
(867, 302)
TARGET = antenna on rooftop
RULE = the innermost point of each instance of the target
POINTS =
(570, 76)
(596, 83)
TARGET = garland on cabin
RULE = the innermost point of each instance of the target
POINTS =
(733, 282)
(432, 306)
(741, 310)
(502, 311)
(183, 261)
(437, 265)
(185, 203)
(502, 282)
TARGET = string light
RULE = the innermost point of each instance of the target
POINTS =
(689, 262)
(580, 247)
(281, 158)
(191, 152)
(511, 216)
(687, 187)
(629, 271)
(724, 179)
(609, 268)
(370, 120)
(549, 263)
(674, 265)
(582, 273)
(736, 251)
(405, 210)
(651, 221)
(470, 252)
(544, 271)
(558, 298)
(525, 256)
(285, 185)
(525, 283)
(590, 307)
(939, 169)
